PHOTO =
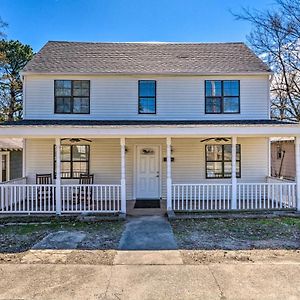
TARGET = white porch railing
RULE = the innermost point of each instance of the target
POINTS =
(250, 196)
(195, 197)
(91, 198)
(22, 180)
(27, 198)
(266, 196)
(16, 197)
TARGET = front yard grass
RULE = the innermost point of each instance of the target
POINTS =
(99, 235)
(237, 234)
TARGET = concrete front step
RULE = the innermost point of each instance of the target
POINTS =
(146, 212)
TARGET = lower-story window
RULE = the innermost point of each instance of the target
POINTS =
(218, 161)
(75, 160)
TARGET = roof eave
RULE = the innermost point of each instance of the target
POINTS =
(25, 73)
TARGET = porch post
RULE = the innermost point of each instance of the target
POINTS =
(233, 174)
(123, 176)
(297, 159)
(169, 175)
(58, 176)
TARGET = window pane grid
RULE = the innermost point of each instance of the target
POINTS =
(222, 96)
(72, 96)
(221, 168)
(72, 168)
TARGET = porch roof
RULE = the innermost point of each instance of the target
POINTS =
(147, 128)
(142, 122)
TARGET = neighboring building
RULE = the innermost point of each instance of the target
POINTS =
(117, 123)
(283, 164)
(10, 159)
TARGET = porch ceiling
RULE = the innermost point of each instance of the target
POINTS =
(154, 128)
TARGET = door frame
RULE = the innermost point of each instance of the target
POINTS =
(7, 165)
(135, 171)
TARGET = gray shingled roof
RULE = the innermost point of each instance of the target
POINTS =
(145, 58)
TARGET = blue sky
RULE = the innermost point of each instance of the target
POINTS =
(36, 21)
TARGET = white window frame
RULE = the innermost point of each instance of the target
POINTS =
(7, 164)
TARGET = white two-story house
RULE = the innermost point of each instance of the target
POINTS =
(108, 124)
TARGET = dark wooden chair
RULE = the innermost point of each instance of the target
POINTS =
(43, 179)
(84, 194)
(44, 193)
(86, 179)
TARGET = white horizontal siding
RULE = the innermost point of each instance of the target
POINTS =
(189, 164)
(188, 167)
(117, 98)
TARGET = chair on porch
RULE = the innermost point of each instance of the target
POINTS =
(43, 178)
(44, 193)
(84, 194)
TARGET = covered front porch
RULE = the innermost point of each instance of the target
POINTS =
(178, 175)
(189, 169)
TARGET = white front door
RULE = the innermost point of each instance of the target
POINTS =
(148, 172)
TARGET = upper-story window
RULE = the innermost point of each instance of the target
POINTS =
(72, 96)
(222, 96)
(147, 97)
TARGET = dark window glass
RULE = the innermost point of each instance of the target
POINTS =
(222, 96)
(63, 105)
(72, 96)
(4, 167)
(213, 88)
(231, 88)
(147, 96)
(213, 105)
(218, 161)
(75, 160)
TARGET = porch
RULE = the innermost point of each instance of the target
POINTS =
(177, 173)
(22, 198)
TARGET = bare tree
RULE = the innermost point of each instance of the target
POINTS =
(275, 37)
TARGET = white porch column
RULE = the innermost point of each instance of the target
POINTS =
(297, 159)
(24, 158)
(123, 176)
(233, 174)
(169, 175)
(58, 176)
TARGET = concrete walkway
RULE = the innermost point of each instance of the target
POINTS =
(148, 233)
(60, 240)
(212, 281)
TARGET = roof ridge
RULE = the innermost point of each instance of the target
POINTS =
(149, 42)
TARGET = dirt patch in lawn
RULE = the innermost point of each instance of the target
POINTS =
(237, 234)
(98, 247)
(192, 257)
